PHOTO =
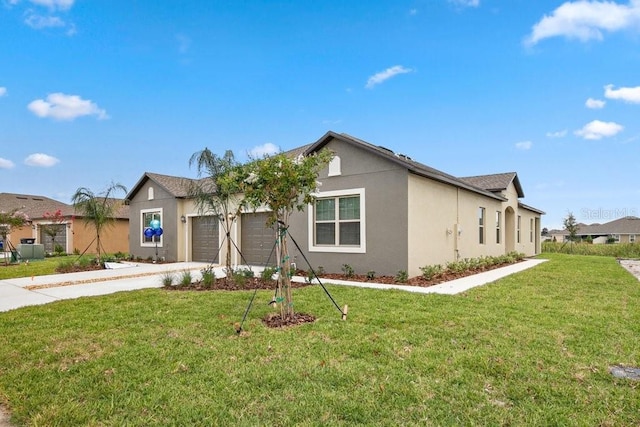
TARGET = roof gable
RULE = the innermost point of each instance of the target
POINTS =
(495, 182)
(401, 160)
(177, 186)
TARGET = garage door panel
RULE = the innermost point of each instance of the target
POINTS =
(257, 240)
(205, 239)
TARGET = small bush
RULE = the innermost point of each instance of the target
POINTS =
(430, 272)
(348, 270)
(167, 279)
(186, 278)
(371, 275)
(267, 274)
(402, 276)
(208, 276)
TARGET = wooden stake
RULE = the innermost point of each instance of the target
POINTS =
(345, 310)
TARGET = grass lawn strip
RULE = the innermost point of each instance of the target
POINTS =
(530, 349)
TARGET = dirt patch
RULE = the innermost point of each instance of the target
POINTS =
(4, 418)
(231, 285)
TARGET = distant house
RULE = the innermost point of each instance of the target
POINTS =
(74, 234)
(376, 211)
(621, 230)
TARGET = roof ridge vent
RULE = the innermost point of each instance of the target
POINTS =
(386, 149)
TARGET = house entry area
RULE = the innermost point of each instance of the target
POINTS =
(257, 240)
(205, 239)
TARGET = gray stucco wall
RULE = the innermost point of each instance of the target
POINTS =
(161, 200)
(386, 211)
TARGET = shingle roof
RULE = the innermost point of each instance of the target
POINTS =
(495, 182)
(405, 161)
(625, 225)
(35, 207)
(175, 185)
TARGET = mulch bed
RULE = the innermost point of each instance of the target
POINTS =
(229, 285)
(273, 320)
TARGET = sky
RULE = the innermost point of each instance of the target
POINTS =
(95, 92)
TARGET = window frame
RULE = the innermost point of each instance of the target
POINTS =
(518, 229)
(155, 239)
(337, 248)
(498, 227)
(482, 220)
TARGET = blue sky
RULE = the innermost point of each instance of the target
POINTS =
(100, 91)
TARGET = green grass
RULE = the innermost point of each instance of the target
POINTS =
(530, 349)
(32, 268)
(618, 250)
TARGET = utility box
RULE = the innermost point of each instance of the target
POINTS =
(31, 251)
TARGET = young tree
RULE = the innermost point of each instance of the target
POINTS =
(8, 222)
(98, 209)
(283, 184)
(218, 191)
(571, 226)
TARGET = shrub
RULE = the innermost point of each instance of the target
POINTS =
(167, 279)
(267, 274)
(348, 270)
(371, 275)
(186, 278)
(402, 276)
(208, 276)
(431, 271)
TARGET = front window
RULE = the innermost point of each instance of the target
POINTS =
(518, 228)
(337, 222)
(481, 225)
(498, 227)
(146, 217)
(632, 238)
(531, 227)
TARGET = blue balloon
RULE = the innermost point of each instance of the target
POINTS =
(158, 231)
(148, 232)
(155, 224)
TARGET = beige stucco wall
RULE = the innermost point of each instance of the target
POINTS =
(443, 224)
(114, 237)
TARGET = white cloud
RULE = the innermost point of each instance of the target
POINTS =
(598, 129)
(382, 76)
(65, 107)
(465, 3)
(557, 134)
(594, 104)
(627, 94)
(39, 22)
(586, 20)
(264, 150)
(3, 91)
(54, 4)
(413, 12)
(6, 164)
(40, 160)
(524, 145)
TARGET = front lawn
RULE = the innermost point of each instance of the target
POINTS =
(531, 349)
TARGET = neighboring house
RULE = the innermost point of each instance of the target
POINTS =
(376, 211)
(621, 230)
(74, 233)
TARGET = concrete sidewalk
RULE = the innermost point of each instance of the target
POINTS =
(26, 291)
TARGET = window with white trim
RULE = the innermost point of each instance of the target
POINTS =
(632, 238)
(518, 228)
(337, 222)
(146, 216)
(481, 221)
(531, 228)
(498, 226)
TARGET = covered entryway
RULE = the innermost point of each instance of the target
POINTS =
(205, 239)
(257, 240)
